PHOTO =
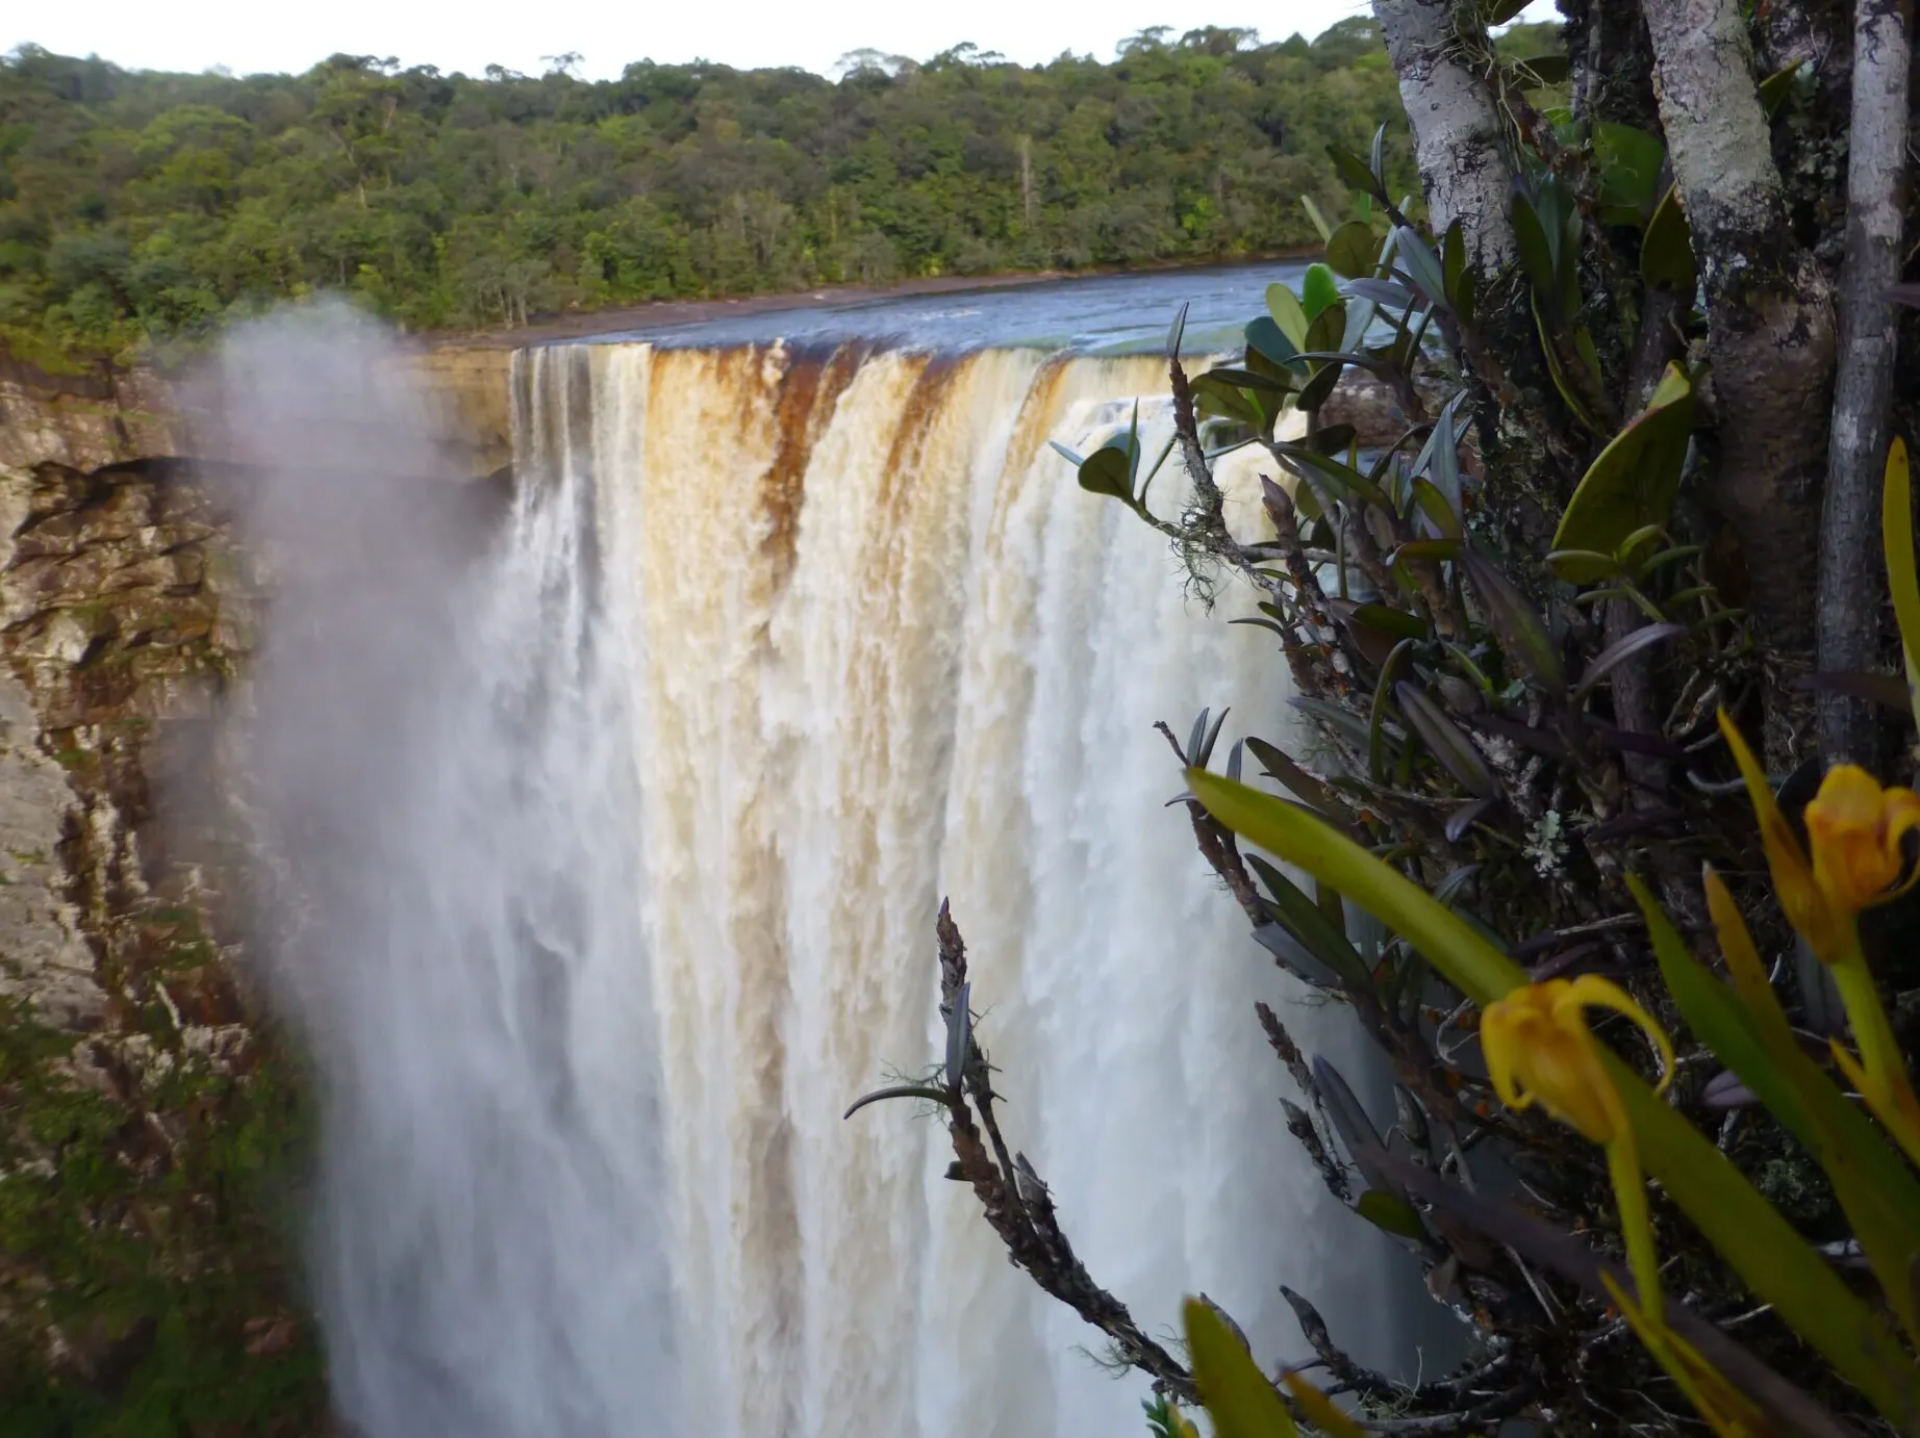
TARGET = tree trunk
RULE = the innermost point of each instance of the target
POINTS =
(1456, 133)
(1851, 581)
(1770, 327)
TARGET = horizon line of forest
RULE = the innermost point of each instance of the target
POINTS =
(141, 211)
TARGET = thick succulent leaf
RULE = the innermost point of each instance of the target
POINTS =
(1634, 481)
(1265, 383)
(1666, 250)
(1319, 290)
(1569, 381)
(1353, 251)
(1238, 1397)
(1444, 741)
(1266, 337)
(1521, 632)
(1630, 162)
(1536, 254)
(1222, 397)
(1388, 620)
(1621, 650)
(1284, 307)
(1896, 538)
(1355, 172)
(1109, 470)
(1421, 265)
(1377, 716)
(1448, 942)
(1391, 293)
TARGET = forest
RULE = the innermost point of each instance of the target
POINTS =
(139, 209)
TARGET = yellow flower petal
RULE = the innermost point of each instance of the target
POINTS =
(1592, 991)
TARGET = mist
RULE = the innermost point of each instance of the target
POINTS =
(438, 759)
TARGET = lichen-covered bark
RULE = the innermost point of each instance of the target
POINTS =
(1770, 319)
(1456, 133)
(1851, 584)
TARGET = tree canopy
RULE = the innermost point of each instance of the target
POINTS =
(137, 208)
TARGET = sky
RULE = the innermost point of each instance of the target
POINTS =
(259, 35)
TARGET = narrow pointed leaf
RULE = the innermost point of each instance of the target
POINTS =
(1307, 922)
(1522, 633)
(1354, 172)
(1448, 942)
(1445, 742)
(1621, 650)
(1896, 539)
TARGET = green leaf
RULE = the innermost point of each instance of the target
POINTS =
(1109, 470)
(1498, 12)
(1448, 942)
(1453, 264)
(1762, 1247)
(1666, 250)
(1391, 1214)
(1354, 172)
(1632, 484)
(1238, 1397)
(1319, 290)
(1219, 396)
(1776, 87)
(1749, 1033)
(1397, 622)
(1267, 338)
(1574, 395)
(1630, 159)
(1285, 309)
(1353, 251)
(1896, 542)
(1536, 255)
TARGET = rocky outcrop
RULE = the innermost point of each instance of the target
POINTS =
(150, 1117)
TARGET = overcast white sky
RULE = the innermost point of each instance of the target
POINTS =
(256, 35)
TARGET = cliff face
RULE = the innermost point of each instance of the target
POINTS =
(151, 1121)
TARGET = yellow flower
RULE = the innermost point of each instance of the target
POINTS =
(1538, 1048)
(1855, 829)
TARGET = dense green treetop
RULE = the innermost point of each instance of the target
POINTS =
(140, 209)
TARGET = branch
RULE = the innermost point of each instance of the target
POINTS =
(1456, 132)
(1770, 318)
(1850, 585)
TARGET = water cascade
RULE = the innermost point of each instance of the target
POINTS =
(776, 650)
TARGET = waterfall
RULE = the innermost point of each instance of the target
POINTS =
(887, 650)
(630, 837)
